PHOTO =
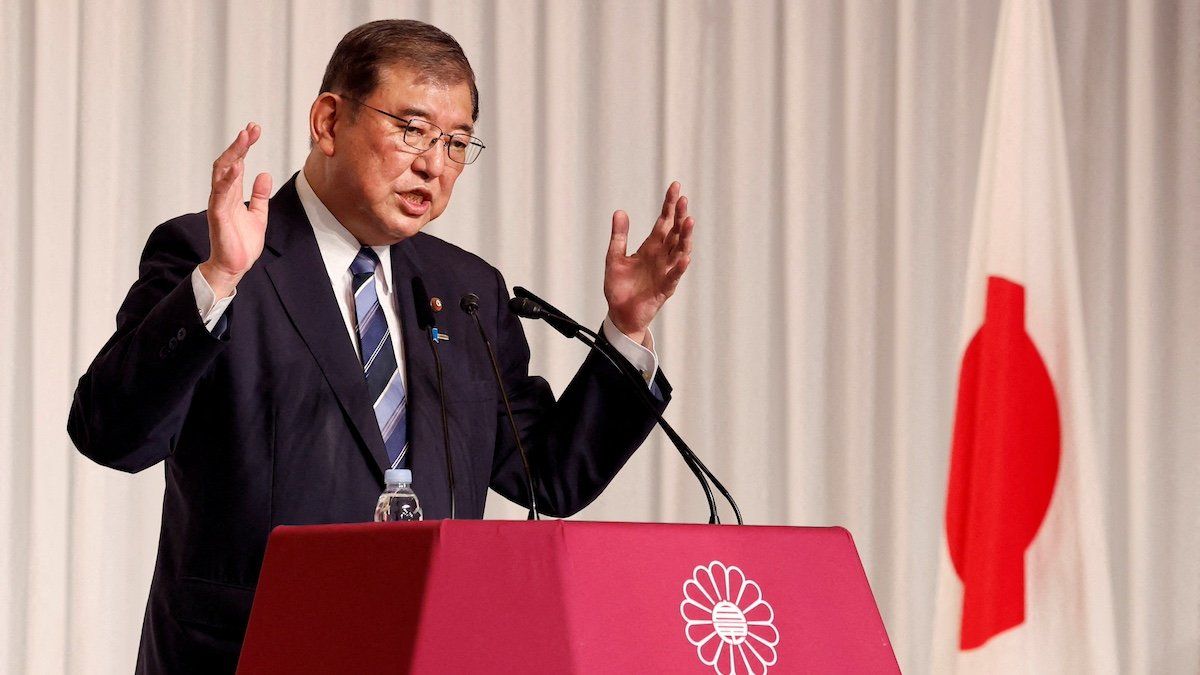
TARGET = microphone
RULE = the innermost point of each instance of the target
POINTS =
(521, 292)
(428, 323)
(529, 306)
(470, 305)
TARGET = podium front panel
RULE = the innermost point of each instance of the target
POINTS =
(564, 597)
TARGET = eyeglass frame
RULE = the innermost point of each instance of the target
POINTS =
(474, 140)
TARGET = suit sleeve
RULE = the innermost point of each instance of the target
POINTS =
(131, 403)
(577, 444)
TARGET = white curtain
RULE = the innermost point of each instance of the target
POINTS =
(830, 152)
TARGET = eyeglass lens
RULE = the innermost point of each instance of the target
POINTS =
(422, 135)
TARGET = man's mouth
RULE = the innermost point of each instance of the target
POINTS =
(415, 202)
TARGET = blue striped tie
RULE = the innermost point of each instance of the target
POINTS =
(379, 360)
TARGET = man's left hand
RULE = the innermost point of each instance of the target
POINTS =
(636, 286)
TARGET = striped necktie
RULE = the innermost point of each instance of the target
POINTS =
(379, 360)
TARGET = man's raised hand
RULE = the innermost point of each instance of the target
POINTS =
(636, 286)
(235, 230)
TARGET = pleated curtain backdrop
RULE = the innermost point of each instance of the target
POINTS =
(830, 151)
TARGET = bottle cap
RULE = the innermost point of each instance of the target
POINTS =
(398, 476)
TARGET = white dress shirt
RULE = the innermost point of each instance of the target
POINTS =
(338, 248)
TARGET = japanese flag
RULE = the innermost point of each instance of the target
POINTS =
(1023, 582)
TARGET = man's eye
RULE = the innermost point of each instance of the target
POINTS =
(458, 143)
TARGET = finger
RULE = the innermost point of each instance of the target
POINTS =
(227, 191)
(684, 245)
(236, 151)
(668, 207)
(670, 280)
(681, 248)
(674, 240)
(676, 273)
(224, 162)
(223, 182)
(618, 243)
(681, 212)
(671, 243)
(667, 215)
(261, 192)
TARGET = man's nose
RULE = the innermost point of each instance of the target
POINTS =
(433, 161)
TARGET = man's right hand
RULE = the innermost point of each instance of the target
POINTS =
(235, 231)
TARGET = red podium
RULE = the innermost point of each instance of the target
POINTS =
(460, 596)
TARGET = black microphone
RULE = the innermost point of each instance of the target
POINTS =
(428, 324)
(470, 305)
(549, 308)
(529, 306)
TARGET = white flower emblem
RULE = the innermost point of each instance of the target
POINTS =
(728, 620)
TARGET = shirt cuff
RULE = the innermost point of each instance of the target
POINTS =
(211, 310)
(641, 356)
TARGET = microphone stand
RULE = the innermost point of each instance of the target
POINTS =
(539, 309)
(437, 363)
(428, 325)
(470, 305)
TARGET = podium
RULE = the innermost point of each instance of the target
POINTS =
(461, 596)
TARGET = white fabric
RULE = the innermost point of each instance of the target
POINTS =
(641, 356)
(1022, 231)
(211, 309)
(813, 344)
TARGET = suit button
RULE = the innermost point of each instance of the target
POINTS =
(181, 334)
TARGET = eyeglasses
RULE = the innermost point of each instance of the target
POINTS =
(420, 136)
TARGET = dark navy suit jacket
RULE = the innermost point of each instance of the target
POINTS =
(270, 423)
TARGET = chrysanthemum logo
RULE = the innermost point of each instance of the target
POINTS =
(731, 625)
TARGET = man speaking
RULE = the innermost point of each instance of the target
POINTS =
(269, 352)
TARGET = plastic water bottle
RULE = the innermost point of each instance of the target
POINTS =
(398, 501)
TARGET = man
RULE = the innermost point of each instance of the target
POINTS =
(269, 355)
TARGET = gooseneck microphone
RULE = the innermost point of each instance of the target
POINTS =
(470, 305)
(528, 305)
(428, 326)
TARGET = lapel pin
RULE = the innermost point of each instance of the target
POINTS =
(435, 303)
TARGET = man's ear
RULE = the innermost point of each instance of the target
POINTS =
(322, 119)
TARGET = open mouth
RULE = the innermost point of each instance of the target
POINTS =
(415, 202)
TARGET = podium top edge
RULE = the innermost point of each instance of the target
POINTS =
(445, 526)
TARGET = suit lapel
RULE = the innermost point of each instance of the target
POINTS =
(298, 273)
